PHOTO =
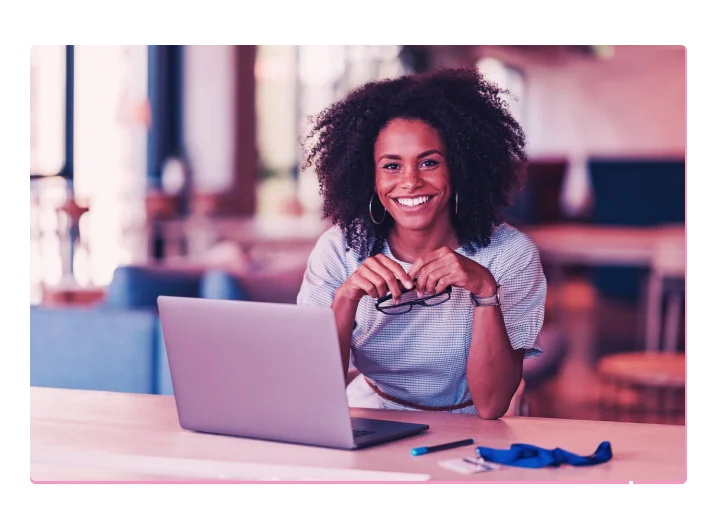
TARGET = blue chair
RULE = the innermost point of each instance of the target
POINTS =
(139, 286)
(118, 345)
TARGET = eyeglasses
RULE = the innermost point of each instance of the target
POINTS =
(386, 304)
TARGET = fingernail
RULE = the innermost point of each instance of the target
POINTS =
(409, 285)
(420, 294)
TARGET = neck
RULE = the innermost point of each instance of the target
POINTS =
(408, 245)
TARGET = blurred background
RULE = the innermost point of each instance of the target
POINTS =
(175, 170)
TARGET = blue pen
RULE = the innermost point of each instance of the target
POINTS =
(442, 447)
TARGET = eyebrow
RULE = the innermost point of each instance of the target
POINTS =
(421, 155)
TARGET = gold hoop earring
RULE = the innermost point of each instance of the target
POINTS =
(370, 211)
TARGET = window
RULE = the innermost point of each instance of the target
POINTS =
(89, 120)
(50, 139)
(47, 109)
(294, 82)
(110, 158)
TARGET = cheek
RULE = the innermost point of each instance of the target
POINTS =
(442, 179)
(383, 185)
(439, 181)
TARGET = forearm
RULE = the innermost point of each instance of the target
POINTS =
(494, 369)
(345, 312)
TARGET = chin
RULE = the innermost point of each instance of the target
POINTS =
(414, 224)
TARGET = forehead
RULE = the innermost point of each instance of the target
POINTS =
(404, 136)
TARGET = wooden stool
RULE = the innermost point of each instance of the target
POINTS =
(650, 386)
(643, 387)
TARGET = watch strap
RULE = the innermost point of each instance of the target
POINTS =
(493, 300)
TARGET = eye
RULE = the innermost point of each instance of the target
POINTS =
(392, 166)
(428, 163)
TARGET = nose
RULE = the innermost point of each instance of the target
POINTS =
(410, 179)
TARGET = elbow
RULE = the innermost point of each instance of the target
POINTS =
(491, 412)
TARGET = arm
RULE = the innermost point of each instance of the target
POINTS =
(326, 271)
(345, 311)
(494, 368)
(502, 335)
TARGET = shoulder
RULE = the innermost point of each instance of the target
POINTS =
(331, 249)
(332, 241)
(509, 251)
(509, 241)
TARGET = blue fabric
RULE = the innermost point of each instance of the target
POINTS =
(530, 456)
(118, 346)
(139, 286)
(631, 192)
(163, 381)
(218, 284)
(93, 349)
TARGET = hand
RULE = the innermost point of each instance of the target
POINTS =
(377, 276)
(442, 268)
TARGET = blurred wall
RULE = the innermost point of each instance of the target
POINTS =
(631, 103)
(627, 103)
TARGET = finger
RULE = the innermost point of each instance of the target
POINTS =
(424, 275)
(397, 270)
(376, 279)
(431, 285)
(391, 281)
(360, 283)
(445, 258)
(424, 260)
(444, 282)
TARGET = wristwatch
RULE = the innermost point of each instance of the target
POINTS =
(486, 301)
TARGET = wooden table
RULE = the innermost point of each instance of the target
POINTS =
(71, 295)
(277, 232)
(103, 436)
(601, 245)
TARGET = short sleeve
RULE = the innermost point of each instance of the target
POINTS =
(522, 295)
(326, 270)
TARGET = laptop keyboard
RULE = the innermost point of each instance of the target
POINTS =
(360, 432)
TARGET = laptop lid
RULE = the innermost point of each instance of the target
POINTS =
(260, 370)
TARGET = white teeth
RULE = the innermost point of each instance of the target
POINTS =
(412, 202)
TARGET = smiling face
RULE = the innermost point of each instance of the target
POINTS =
(412, 175)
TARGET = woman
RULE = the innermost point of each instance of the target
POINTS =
(414, 173)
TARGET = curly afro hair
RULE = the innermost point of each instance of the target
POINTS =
(484, 143)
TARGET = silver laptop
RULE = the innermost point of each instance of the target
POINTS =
(266, 371)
